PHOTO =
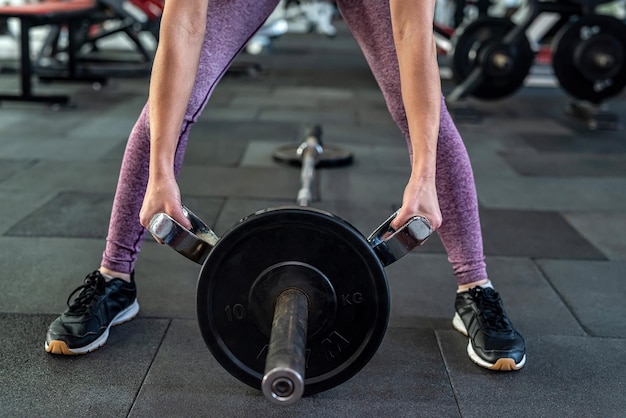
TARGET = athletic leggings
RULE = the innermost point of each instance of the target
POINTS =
(230, 24)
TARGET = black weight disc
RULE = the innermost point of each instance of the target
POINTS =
(589, 58)
(479, 44)
(315, 246)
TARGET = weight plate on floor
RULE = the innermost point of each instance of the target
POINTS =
(333, 156)
(589, 58)
(286, 247)
(479, 44)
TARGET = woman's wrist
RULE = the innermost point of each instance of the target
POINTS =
(424, 170)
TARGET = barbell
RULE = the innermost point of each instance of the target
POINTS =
(292, 300)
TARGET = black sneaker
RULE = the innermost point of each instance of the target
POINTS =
(84, 326)
(493, 342)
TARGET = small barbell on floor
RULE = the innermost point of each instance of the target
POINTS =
(310, 154)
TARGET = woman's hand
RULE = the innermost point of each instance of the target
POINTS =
(162, 195)
(420, 198)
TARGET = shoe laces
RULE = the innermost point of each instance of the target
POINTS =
(93, 286)
(490, 305)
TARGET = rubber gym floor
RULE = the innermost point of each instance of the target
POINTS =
(553, 212)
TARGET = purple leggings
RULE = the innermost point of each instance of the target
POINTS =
(230, 24)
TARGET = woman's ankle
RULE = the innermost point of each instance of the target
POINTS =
(466, 286)
(114, 274)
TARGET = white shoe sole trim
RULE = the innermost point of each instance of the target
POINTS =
(126, 315)
(458, 324)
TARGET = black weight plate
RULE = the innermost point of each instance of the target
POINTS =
(298, 236)
(473, 44)
(572, 60)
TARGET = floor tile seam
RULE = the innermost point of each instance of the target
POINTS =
(318, 201)
(552, 181)
(527, 334)
(603, 257)
(567, 305)
(435, 330)
(492, 201)
(30, 163)
(57, 188)
(39, 205)
(220, 211)
(563, 212)
(563, 153)
(26, 314)
(50, 237)
(590, 175)
(117, 110)
(581, 231)
(285, 102)
(168, 317)
(536, 260)
(147, 372)
(140, 316)
(245, 197)
(54, 163)
(601, 211)
(565, 259)
(455, 392)
(264, 112)
(530, 335)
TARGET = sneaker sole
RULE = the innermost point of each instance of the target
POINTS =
(503, 364)
(60, 346)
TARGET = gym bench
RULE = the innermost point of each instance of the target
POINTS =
(70, 13)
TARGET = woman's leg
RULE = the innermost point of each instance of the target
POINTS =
(370, 23)
(230, 23)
